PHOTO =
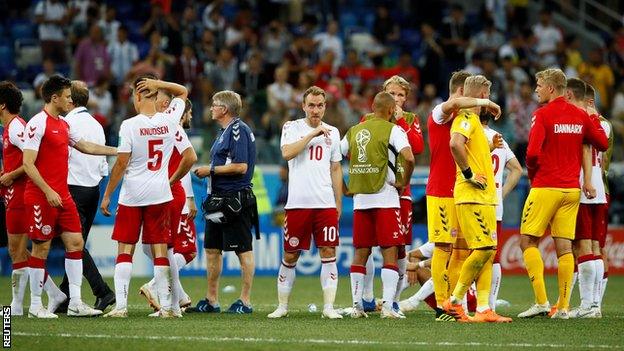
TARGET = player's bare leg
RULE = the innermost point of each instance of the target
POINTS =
(358, 271)
(247, 273)
(329, 281)
(19, 275)
(285, 281)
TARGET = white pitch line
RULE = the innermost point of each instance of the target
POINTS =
(315, 341)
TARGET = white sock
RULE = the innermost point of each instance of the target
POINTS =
(402, 264)
(604, 289)
(329, 281)
(285, 281)
(367, 290)
(175, 281)
(73, 269)
(123, 272)
(425, 290)
(162, 274)
(180, 262)
(147, 250)
(19, 279)
(36, 276)
(389, 280)
(357, 288)
(587, 275)
(598, 281)
(51, 289)
(574, 279)
(496, 282)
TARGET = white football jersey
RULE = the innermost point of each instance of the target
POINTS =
(187, 184)
(387, 196)
(500, 157)
(596, 179)
(150, 140)
(309, 176)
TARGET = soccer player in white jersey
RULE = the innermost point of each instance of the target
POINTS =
(312, 149)
(591, 218)
(502, 158)
(181, 230)
(146, 144)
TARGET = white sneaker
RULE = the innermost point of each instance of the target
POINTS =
(358, 313)
(17, 310)
(56, 301)
(115, 313)
(408, 305)
(581, 312)
(40, 312)
(330, 313)
(81, 309)
(170, 314)
(185, 302)
(150, 295)
(560, 314)
(597, 311)
(536, 310)
(390, 313)
(278, 313)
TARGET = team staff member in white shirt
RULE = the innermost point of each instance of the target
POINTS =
(312, 149)
(85, 174)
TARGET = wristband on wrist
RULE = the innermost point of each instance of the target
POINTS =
(467, 173)
(212, 170)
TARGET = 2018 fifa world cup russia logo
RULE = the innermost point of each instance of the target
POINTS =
(361, 139)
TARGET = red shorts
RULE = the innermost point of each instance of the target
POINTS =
(377, 227)
(154, 219)
(16, 220)
(590, 222)
(406, 221)
(185, 242)
(301, 224)
(45, 222)
(175, 207)
(499, 231)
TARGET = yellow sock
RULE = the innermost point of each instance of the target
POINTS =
(484, 284)
(458, 257)
(439, 274)
(565, 273)
(535, 269)
(470, 270)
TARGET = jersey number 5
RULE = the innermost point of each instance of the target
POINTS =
(155, 155)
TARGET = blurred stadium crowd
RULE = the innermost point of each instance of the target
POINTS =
(270, 51)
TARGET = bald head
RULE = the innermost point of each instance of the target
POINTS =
(79, 93)
(384, 105)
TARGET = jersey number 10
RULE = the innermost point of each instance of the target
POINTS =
(316, 152)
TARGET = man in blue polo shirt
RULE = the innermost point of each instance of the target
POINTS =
(233, 157)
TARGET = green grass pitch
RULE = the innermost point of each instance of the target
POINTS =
(303, 330)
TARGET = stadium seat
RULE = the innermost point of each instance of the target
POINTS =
(28, 52)
(134, 30)
(143, 47)
(23, 30)
(348, 19)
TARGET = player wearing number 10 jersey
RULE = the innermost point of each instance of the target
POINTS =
(146, 144)
(312, 149)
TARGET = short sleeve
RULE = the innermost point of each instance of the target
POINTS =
(175, 109)
(17, 136)
(463, 126)
(437, 114)
(34, 133)
(344, 145)
(336, 155)
(239, 144)
(508, 153)
(398, 138)
(125, 139)
(74, 135)
(181, 141)
(288, 134)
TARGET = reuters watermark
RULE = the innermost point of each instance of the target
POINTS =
(6, 327)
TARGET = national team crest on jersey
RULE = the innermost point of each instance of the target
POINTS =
(328, 141)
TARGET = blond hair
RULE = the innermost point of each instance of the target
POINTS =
(457, 80)
(231, 100)
(554, 77)
(475, 84)
(398, 80)
(313, 90)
